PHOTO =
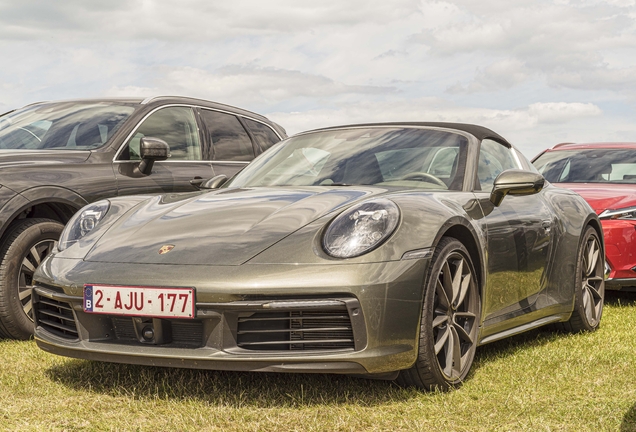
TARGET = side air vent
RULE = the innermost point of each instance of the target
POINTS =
(296, 330)
(56, 317)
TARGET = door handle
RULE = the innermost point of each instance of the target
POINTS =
(547, 226)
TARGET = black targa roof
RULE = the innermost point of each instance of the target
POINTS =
(477, 131)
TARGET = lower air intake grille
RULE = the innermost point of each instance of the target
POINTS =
(296, 330)
(56, 317)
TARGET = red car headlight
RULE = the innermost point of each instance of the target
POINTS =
(628, 213)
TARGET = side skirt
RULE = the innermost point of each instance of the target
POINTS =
(525, 327)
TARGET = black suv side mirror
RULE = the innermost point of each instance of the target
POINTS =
(151, 150)
(515, 182)
(214, 183)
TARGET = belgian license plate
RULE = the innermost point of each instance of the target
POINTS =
(158, 302)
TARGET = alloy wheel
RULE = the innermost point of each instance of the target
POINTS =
(454, 316)
(592, 280)
(30, 262)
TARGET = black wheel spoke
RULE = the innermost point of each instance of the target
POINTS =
(457, 282)
(35, 255)
(27, 266)
(442, 340)
(461, 332)
(28, 307)
(456, 352)
(447, 281)
(466, 315)
(594, 292)
(591, 306)
(439, 320)
(33, 258)
(592, 257)
(442, 297)
(25, 293)
(463, 290)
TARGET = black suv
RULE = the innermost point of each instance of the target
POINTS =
(56, 157)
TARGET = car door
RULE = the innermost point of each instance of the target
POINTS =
(518, 239)
(178, 126)
(231, 147)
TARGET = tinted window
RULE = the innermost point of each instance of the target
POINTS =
(588, 166)
(396, 157)
(176, 126)
(62, 126)
(494, 158)
(229, 140)
(263, 134)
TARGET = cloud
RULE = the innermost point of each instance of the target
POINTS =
(247, 85)
(537, 71)
(571, 44)
(187, 19)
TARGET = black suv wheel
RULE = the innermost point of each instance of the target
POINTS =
(28, 242)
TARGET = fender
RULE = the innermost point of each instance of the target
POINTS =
(37, 195)
(59, 194)
(478, 250)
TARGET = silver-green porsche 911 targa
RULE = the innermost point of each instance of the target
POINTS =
(387, 250)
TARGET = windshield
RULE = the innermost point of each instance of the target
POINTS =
(404, 157)
(62, 126)
(588, 166)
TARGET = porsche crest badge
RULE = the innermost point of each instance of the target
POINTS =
(165, 249)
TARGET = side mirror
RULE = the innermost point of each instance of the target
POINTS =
(151, 150)
(515, 182)
(214, 183)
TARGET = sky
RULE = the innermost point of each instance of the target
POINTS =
(539, 72)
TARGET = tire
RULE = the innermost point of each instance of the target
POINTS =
(449, 323)
(589, 288)
(27, 242)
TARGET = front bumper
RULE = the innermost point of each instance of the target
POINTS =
(620, 253)
(354, 319)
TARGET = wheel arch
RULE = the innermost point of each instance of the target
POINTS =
(595, 223)
(54, 203)
(463, 231)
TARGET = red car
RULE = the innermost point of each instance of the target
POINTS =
(605, 175)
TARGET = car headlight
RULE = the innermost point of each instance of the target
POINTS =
(628, 213)
(83, 222)
(361, 228)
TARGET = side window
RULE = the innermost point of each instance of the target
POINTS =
(493, 159)
(230, 141)
(263, 134)
(176, 126)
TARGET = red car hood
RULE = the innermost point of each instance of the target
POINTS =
(604, 196)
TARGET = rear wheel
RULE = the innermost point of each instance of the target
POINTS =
(449, 323)
(589, 289)
(27, 243)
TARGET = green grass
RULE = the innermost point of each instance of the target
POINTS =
(537, 381)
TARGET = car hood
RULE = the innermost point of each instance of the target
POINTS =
(226, 227)
(9, 158)
(604, 196)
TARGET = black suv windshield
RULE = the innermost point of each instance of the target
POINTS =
(386, 156)
(588, 166)
(62, 126)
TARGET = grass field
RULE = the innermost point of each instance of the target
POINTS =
(537, 381)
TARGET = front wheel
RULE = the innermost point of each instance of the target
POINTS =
(27, 243)
(449, 323)
(589, 288)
